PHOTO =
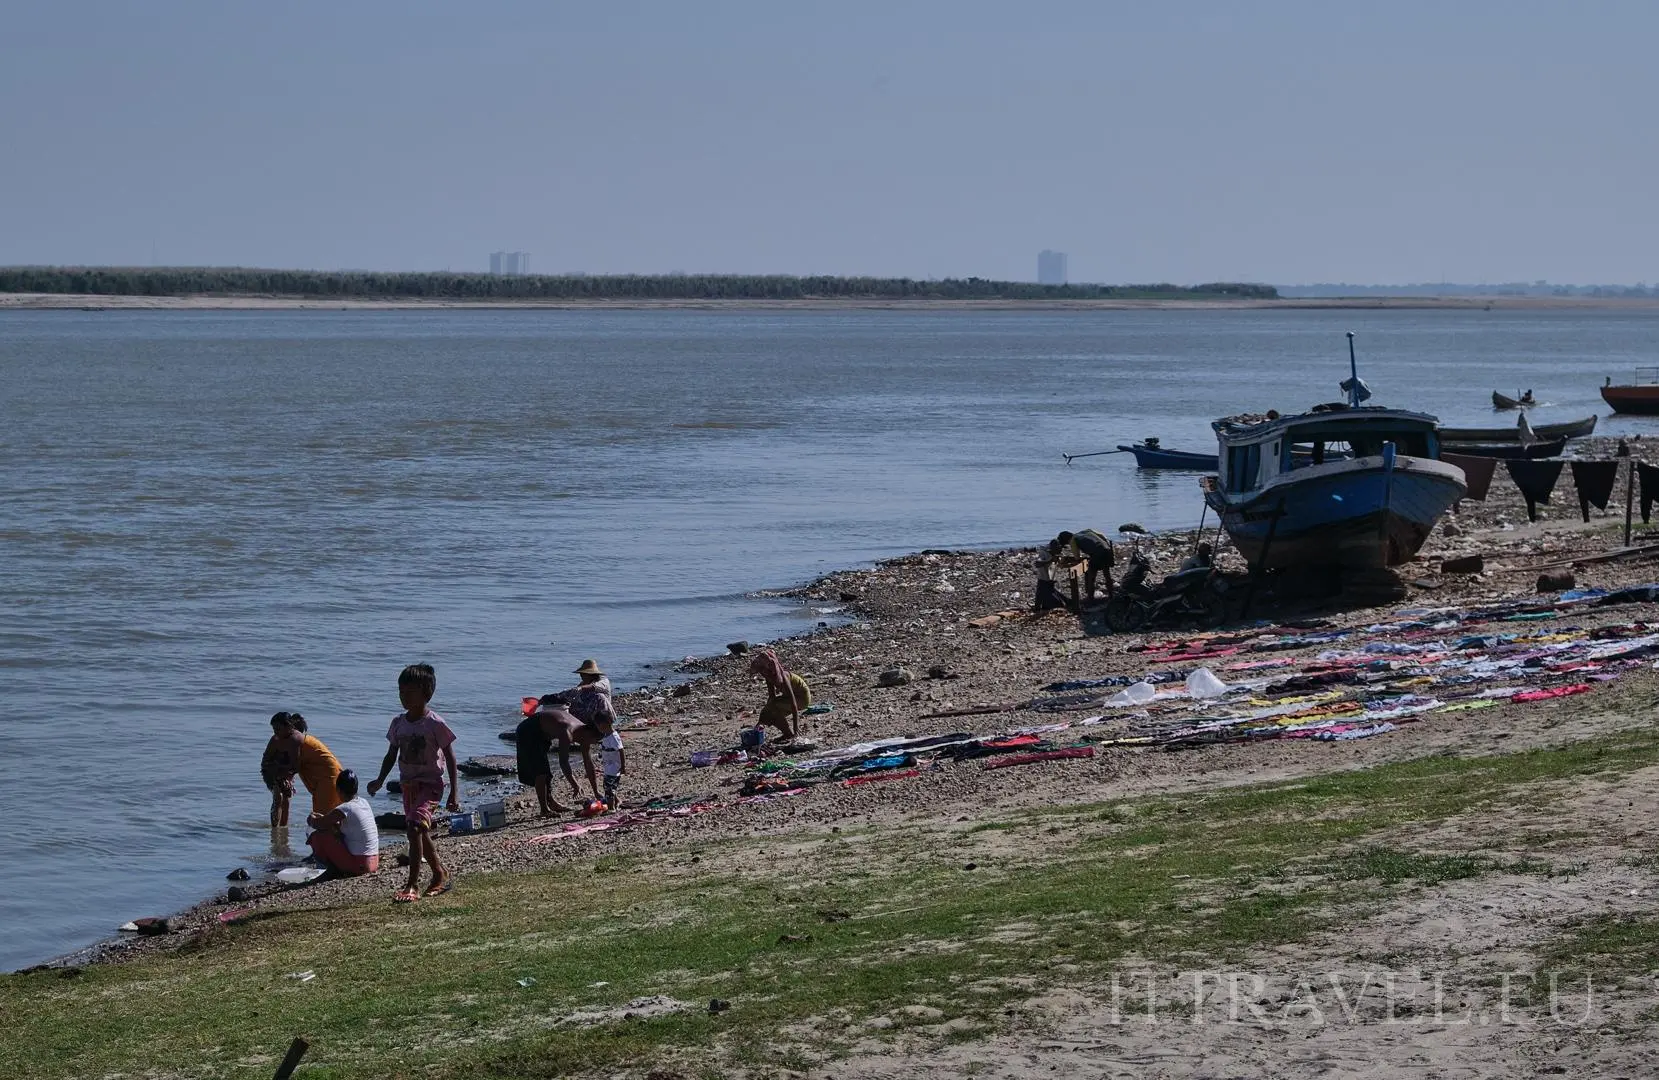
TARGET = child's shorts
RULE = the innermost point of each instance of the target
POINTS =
(420, 802)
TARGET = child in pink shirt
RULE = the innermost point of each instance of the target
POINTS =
(421, 743)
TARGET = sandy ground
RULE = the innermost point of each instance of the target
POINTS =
(95, 302)
(1416, 990)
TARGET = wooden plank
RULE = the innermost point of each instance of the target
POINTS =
(296, 1050)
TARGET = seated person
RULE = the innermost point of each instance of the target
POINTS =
(346, 841)
(1204, 556)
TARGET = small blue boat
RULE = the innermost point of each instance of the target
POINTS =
(1149, 455)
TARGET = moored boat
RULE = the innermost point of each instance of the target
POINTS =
(1640, 397)
(1149, 455)
(1372, 509)
(1545, 448)
(1567, 429)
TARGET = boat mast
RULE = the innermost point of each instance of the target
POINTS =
(1353, 371)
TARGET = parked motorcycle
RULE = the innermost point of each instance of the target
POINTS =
(1198, 595)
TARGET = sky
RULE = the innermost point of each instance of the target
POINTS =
(1276, 141)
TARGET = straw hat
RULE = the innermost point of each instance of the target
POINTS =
(589, 667)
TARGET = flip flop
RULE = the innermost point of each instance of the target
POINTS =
(406, 896)
(438, 888)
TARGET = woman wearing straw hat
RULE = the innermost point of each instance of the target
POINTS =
(593, 677)
(590, 699)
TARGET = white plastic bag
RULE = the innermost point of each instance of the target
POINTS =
(1134, 694)
(1203, 684)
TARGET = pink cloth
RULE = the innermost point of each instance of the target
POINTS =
(331, 850)
(1552, 692)
(421, 744)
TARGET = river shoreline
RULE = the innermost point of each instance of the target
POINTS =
(965, 617)
(99, 302)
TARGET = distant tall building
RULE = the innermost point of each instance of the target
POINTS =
(1051, 268)
(509, 263)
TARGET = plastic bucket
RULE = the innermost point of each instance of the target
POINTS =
(462, 823)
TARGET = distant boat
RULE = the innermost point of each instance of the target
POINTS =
(1149, 455)
(1567, 429)
(1545, 448)
(1640, 397)
(1504, 401)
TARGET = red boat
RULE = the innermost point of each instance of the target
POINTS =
(1641, 396)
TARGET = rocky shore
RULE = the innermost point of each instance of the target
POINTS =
(958, 628)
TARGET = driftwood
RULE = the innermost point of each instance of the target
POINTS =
(1634, 552)
(296, 1050)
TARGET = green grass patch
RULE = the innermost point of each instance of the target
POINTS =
(807, 949)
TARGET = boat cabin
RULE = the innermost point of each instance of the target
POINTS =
(1255, 451)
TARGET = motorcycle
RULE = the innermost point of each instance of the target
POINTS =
(1198, 595)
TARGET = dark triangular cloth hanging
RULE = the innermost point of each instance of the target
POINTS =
(1477, 472)
(1536, 479)
(1594, 481)
(1648, 475)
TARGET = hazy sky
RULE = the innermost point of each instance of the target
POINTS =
(1270, 141)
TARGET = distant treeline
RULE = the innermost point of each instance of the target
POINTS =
(1447, 288)
(237, 281)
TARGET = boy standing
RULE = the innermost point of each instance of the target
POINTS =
(421, 743)
(612, 762)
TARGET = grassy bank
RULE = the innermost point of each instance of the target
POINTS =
(819, 941)
(245, 281)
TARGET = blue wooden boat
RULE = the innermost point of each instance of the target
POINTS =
(1287, 498)
(1149, 455)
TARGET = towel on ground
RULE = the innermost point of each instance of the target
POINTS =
(1536, 479)
(1594, 481)
(1477, 472)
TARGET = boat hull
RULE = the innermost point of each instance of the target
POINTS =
(1640, 400)
(1147, 457)
(1547, 449)
(1567, 429)
(1360, 514)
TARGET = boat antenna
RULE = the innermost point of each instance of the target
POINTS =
(1353, 370)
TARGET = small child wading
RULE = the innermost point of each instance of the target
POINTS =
(421, 747)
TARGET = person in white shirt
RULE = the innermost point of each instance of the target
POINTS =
(345, 839)
(613, 762)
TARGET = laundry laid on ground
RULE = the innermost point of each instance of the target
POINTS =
(1230, 686)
